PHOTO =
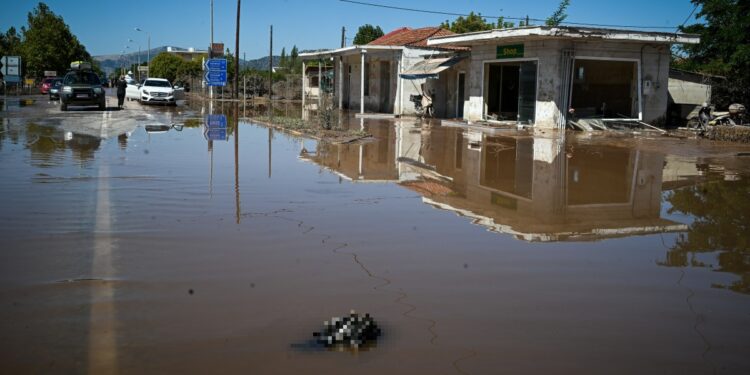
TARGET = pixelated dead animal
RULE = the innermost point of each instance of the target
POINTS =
(354, 332)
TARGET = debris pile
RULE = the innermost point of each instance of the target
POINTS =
(353, 331)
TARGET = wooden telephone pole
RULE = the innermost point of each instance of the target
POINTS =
(237, 55)
(270, 67)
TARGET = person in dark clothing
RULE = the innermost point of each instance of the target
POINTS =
(121, 87)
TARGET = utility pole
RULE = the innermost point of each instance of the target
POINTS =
(211, 49)
(343, 37)
(270, 67)
(237, 54)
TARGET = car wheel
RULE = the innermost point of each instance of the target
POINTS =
(63, 106)
(102, 105)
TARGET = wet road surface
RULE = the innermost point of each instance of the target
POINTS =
(127, 250)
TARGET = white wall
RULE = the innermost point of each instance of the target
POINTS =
(654, 68)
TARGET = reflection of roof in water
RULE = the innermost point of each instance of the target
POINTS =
(598, 230)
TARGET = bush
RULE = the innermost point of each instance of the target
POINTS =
(729, 133)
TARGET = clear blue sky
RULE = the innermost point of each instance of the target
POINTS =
(104, 26)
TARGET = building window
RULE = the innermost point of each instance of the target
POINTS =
(367, 79)
(314, 81)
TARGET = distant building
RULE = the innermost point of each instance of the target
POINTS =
(190, 54)
(368, 78)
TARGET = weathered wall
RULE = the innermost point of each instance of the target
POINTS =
(445, 88)
(547, 54)
(654, 69)
(399, 89)
(409, 87)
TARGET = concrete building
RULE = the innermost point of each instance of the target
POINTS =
(368, 78)
(190, 54)
(687, 92)
(533, 75)
(316, 79)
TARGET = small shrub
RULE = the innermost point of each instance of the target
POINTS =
(739, 134)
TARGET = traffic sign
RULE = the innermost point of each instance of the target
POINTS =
(216, 122)
(215, 78)
(11, 66)
(215, 64)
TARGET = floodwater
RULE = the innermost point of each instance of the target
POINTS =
(130, 245)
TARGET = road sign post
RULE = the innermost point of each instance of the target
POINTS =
(10, 67)
(215, 72)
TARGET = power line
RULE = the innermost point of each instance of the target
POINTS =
(503, 17)
(688, 17)
(406, 9)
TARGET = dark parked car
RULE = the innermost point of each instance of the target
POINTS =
(55, 87)
(82, 87)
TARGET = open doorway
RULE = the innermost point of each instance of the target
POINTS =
(385, 87)
(605, 89)
(460, 94)
(510, 93)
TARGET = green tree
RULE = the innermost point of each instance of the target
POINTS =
(721, 221)
(295, 64)
(472, 22)
(48, 43)
(10, 42)
(724, 48)
(366, 34)
(502, 24)
(559, 15)
(189, 69)
(283, 60)
(165, 65)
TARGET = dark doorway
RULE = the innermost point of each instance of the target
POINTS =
(385, 87)
(510, 92)
(605, 89)
(347, 86)
(460, 95)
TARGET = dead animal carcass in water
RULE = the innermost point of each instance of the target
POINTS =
(352, 332)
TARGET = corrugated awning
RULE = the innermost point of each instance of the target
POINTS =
(430, 68)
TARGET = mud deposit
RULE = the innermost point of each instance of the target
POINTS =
(134, 251)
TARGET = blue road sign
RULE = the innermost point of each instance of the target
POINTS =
(215, 78)
(215, 64)
(216, 122)
(215, 134)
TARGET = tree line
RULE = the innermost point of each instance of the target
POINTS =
(44, 43)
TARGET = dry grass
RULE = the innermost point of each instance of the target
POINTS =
(739, 134)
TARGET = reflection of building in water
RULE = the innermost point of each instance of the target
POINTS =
(367, 162)
(538, 189)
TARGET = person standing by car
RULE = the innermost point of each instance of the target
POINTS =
(121, 86)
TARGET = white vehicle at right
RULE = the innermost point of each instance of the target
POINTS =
(158, 90)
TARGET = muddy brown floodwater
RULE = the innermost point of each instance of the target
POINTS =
(129, 245)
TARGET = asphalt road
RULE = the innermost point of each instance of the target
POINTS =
(90, 120)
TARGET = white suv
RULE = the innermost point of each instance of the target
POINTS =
(157, 90)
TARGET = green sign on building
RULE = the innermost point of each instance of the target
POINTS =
(510, 51)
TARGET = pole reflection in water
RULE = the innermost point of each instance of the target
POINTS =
(270, 138)
(236, 124)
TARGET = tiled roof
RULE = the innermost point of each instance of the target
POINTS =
(412, 37)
